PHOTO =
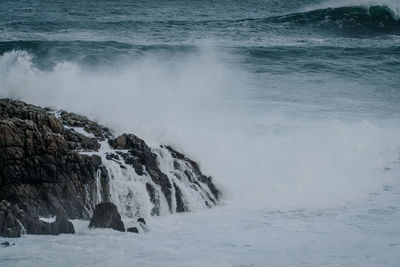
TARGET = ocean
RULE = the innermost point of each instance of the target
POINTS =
(293, 107)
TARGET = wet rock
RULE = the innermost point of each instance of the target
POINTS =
(10, 225)
(153, 198)
(138, 155)
(62, 225)
(106, 216)
(15, 222)
(141, 220)
(111, 156)
(43, 170)
(133, 230)
(7, 244)
(40, 167)
(198, 175)
(180, 205)
(142, 224)
(74, 120)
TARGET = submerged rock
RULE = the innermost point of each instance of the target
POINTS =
(106, 216)
(7, 244)
(141, 220)
(142, 224)
(133, 230)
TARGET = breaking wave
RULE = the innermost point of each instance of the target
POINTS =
(193, 103)
(362, 19)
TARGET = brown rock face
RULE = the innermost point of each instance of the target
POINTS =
(40, 169)
(51, 163)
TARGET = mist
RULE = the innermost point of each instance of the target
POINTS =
(199, 103)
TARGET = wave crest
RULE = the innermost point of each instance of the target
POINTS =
(362, 19)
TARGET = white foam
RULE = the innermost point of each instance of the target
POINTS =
(49, 219)
(363, 234)
(203, 108)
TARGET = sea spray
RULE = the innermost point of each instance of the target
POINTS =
(258, 159)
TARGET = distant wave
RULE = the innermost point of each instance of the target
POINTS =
(46, 54)
(355, 19)
(363, 19)
(83, 45)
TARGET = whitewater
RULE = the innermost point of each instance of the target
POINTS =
(293, 109)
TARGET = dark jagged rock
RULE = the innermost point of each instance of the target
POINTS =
(106, 216)
(139, 155)
(14, 222)
(198, 175)
(40, 168)
(133, 230)
(180, 205)
(51, 163)
(74, 120)
(6, 244)
(62, 225)
(10, 225)
(152, 194)
(141, 220)
(142, 224)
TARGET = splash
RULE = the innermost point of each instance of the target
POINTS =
(196, 103)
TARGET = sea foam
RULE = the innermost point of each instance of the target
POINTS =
(203, 107)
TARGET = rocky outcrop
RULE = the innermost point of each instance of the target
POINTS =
(134, 152)
(106, 216)
(40, 169)
(15, 222)
(56, 162)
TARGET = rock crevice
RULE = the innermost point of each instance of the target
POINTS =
(54, 162)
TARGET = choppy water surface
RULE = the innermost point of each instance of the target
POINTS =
(292, 106)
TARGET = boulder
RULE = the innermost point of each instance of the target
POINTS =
(62, 225)
(133, 230)
(141, 220)
(6, 244)
(14, 222)
(9, 226)
(106, 216)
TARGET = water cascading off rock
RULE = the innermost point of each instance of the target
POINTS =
(56, 160)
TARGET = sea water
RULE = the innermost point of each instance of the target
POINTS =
(291, 106)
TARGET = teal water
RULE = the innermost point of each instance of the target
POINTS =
(292, 106)
(270, 40)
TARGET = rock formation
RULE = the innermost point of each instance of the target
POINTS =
(106, 216)
(133, 230)
(56, 162)
(14, 222)
(40, 169)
